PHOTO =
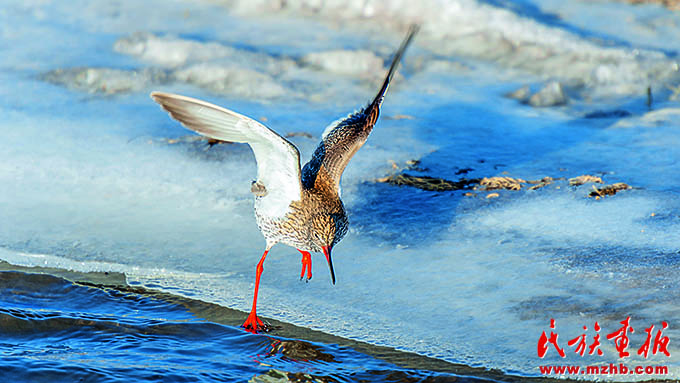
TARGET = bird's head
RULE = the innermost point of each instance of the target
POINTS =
(327, 230)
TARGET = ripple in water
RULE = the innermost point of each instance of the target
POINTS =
(54, 330)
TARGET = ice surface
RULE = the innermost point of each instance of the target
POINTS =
(105, 80)
(359, 62)
(93, 176)
(503, 33)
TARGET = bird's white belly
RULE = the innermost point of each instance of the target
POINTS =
(277, 228)
(274, 206)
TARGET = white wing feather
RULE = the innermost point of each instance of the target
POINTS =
(278, 161)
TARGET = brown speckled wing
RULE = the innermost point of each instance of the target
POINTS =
(342, 140)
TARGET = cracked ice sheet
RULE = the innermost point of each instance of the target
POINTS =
(88, 185)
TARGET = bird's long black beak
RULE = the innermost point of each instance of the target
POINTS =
(327, 253)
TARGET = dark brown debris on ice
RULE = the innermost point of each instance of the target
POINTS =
(580, 180)
(608, 190)
(545, 181)
(495, 183)
(428, 183)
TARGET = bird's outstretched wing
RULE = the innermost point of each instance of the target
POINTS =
(278, 161)
(342, 139)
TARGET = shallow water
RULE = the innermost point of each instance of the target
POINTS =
(55, 330)
(95, 178)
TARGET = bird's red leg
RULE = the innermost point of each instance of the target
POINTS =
(253, 322)
(306, 264)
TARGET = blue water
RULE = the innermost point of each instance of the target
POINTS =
(54, 330)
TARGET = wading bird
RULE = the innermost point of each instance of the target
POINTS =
(294, 206)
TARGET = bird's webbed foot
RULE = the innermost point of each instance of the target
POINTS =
(254, 324)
